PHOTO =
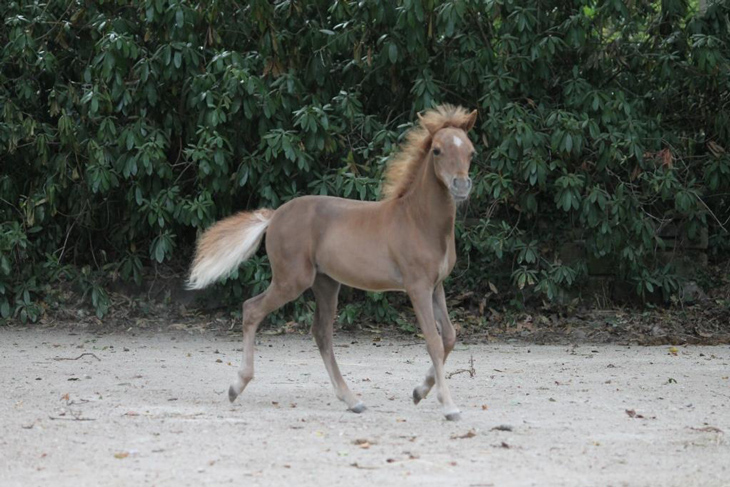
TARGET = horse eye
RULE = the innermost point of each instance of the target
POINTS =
(436, 151)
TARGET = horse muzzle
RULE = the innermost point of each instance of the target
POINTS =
(460, 188)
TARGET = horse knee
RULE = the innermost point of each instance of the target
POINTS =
(319, 333)
(449, 338)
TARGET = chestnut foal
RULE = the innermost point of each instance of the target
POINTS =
(405, 242)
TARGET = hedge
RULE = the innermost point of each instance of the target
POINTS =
(127, 127)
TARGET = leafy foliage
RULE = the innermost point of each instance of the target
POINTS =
(128, 126)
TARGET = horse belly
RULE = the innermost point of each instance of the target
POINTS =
(365, 266)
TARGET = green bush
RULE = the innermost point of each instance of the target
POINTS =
(126, 127)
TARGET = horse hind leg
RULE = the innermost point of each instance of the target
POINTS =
(253, 314)
(254, 311)
(325, 291)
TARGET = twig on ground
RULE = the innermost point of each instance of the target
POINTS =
(85, 353)
(71, 418)
(471, 370)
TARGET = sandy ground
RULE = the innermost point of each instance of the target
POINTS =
(153, 411)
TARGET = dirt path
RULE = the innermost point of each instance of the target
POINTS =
(153, 411)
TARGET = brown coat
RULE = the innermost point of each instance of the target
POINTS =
(402, 243)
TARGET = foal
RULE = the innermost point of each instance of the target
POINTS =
(405, 242)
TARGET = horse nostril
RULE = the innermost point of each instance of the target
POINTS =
(462, 184)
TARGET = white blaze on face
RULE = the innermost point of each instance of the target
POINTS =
(457, 141)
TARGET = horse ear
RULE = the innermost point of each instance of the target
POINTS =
(470, 121)
(428, 123)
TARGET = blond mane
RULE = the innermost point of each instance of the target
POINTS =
(403, 167)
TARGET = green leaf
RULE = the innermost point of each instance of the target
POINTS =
(393, 53)
(5, 265)
(159, 252)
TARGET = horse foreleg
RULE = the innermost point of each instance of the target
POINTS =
(422, 299)
(448, 337)
(325, 293)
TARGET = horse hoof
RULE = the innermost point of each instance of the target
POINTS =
(453, 416)
(232, 394)
(416, 396)
(358, 408)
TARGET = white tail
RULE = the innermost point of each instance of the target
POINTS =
(225, 245)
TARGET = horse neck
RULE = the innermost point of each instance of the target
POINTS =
(430, 203)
